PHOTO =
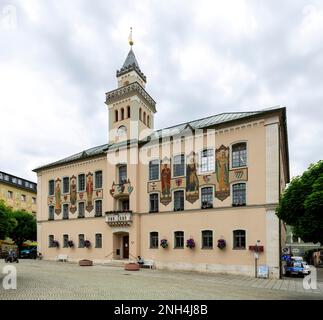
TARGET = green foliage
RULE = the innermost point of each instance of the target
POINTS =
(24, 227)
(301, 204)
(5, 222)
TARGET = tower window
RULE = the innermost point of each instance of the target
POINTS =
(122, 114)
(116, 115)
(128, 112)
(140, 114)
(148, 121)
(144, 117)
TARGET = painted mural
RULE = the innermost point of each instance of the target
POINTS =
(58, 194)
(165, 174)
(238, 175)
(89, 192)
(192, 181)
(222, 173)
(73, 195)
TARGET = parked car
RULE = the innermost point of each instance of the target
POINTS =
(296, 266)
(29, 253)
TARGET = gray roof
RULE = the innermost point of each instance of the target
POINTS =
(170, 131)
(131, 64)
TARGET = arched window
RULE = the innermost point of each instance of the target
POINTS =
(128, 112)
(116, 115)
(239, 194)
(239, 239)
(140, 114)
(144, 117)
(239, 155)
(148, 121)
(207, 239)
(122, 114)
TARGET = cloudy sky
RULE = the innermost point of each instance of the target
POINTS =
(58, 58)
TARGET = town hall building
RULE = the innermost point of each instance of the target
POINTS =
(196, 196)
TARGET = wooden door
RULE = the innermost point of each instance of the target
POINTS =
(125, 247)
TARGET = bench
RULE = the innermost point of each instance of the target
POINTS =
(62, 257)
(148, 263)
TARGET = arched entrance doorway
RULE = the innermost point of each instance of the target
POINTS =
(121, 245)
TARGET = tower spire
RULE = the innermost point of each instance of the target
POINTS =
(130, 38)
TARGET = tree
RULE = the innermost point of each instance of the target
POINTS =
(301, 204)
(5, 224)
(24, 228)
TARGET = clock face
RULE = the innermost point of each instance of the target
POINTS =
(122, 130)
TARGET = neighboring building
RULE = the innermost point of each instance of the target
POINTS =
(296, 245)
(18, 193)
(214, 178)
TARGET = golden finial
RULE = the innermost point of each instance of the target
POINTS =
(130, 37)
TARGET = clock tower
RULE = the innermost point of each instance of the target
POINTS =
(131, 109)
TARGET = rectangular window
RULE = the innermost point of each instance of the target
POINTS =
(239, 155)
(14, 180)
(81, 211)
(179, 165)
(98, 208)
(179, 239)
(81, 182)
(19, 181)
(98, 240)
(207, 160)
(153, 240)
(153, 202)
(179, 200)
(65, 241)
(33, 200)
(66, 185)
(23, 197)
(239, 194)
(154, 170)
(81, 240)
(51, 241)
(65, 211)
(51, 187)
(207, 239)
(122, 174)
(26, 184)
(51, 213)
(207, 197)
(239, 239)
(6, 177)
(98, 179)
(10, 195)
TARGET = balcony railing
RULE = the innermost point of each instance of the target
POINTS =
(118, 218)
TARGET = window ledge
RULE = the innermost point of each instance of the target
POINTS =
(238, 248)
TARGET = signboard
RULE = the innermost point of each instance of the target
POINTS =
(286, 250)
(263, 272)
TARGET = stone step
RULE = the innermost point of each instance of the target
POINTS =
(114, 263)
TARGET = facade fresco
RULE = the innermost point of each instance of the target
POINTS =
(73, 194)
(165, 174)
(238, 175)
(58, 194)
(222, 173)
(89, 192)
(192, 181)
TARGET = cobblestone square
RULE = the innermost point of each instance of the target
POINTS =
(56, 280)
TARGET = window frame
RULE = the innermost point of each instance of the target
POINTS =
(78, 182)
(63, 189)
(64, 205)
(51, 239)
(202, 240)
(78, 210)
(212, 170)
(49, 213)
(212, 194)
(96, 241)
(95, 207)
(65, 240)
(177, 191)
(95, 179)
(234, 240)
(174, 164)
(231, 154)
(152, 240)
(81, 243)
(233, 195)
(49, 187)
(175, 239)
(149, 171)
(119, 176)
(157, 201)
